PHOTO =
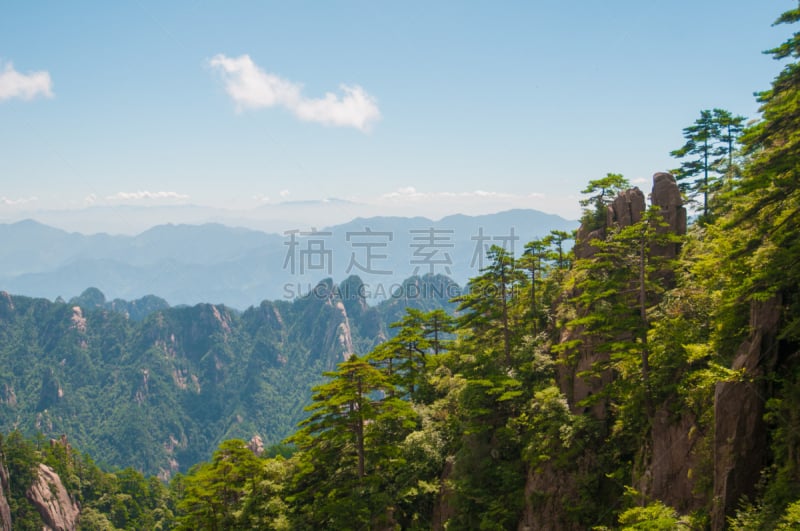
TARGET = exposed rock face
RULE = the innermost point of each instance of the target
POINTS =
(5, 510)
(626, 209)
(740, 435)
(256, 445)
(546, 490)
(671, 462)
(57, 509)
(585, 235)
(667, 197)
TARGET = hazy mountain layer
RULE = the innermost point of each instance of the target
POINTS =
(189, 264)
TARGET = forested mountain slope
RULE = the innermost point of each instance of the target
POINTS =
(648, 379)
(159, 392)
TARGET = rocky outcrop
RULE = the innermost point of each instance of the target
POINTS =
(626, 209)
(740, 433)
(5, 510)
(57, 509)
(256, 445)
(668, 462)
(667, 197)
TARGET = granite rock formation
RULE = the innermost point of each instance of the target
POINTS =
(56, 507)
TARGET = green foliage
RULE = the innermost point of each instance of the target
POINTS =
(604, 190)
(108, 500)
(20, 458)
(236, 490)
(707, 155)
(160, 392)
(465, 422)
(618, 287)
(488, 317)
(348, 452)
(406, 357)
(655, 516)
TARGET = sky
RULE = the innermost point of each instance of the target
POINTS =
(424, 108)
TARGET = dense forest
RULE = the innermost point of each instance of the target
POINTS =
(646, 378)
(157, 388)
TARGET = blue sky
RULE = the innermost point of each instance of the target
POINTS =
(418, 107)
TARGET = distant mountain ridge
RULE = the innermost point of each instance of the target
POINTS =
(238, 267)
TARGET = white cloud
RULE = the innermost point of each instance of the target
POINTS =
(17, 202)
(284, 193)
(252, 88)
(145, 195)
(24, 86)
(406, 191)
(90, 199)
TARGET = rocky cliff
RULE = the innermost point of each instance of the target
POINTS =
(626, 209)
(668, 457)
(5, 510)
(686, 462)
(58, 510)
(740, 432)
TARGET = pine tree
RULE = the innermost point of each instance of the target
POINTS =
(616, 287)
(404, 358)
(347, 446)
(707, 154)
(605, 190)
(557, 238)
(214, 491)
(534, 262)
(487, 309)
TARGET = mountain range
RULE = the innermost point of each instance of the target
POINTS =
(158, 388)
(239, 267)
